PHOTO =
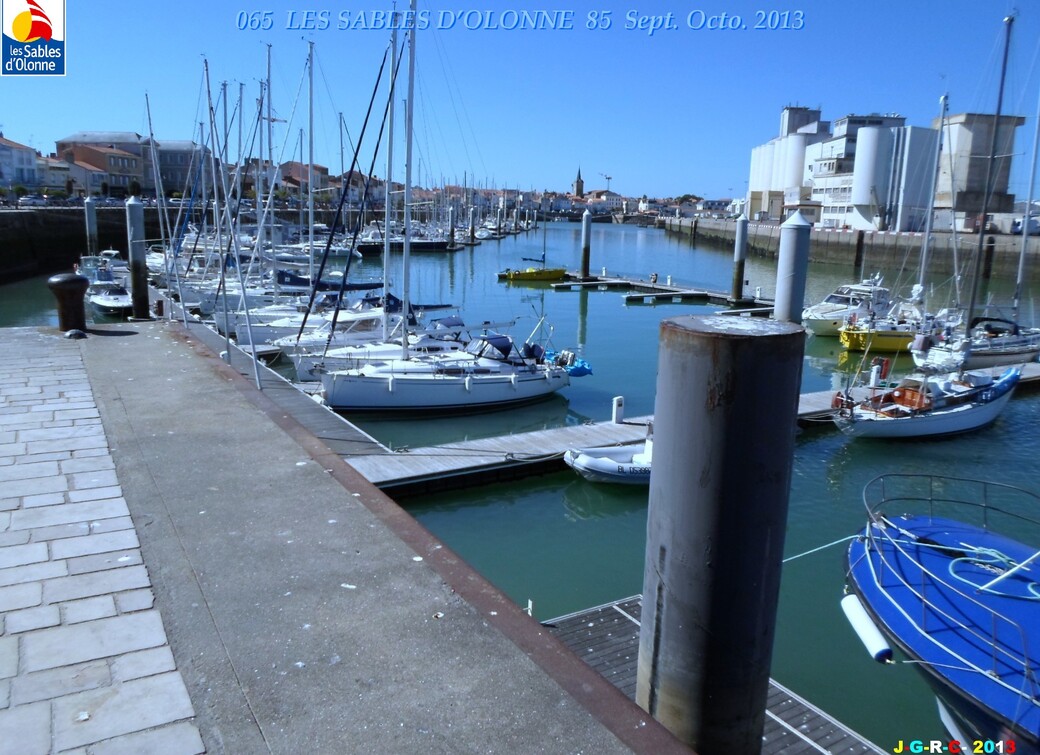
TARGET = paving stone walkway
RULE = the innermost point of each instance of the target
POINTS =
(85, 665)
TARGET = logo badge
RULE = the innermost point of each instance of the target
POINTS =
(33, 42)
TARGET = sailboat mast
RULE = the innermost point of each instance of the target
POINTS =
(389, 193)
(1008, 21)
(241, 157)
(409, 111)
(270, 141)
(310, 161)
(1016, 300)
(931, 194)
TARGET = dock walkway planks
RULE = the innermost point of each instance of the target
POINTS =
(476, 461)
(540, 447)
(607, 638)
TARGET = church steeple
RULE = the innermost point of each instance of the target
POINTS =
(579, 186)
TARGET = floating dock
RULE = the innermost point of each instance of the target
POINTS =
(651, 291)
(607, 638)
(485, 460)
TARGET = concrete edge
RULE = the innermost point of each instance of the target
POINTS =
(627, 721)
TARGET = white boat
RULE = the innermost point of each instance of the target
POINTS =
(923, 405)
(992, 342)
(109, 299)
(626, 464)
(860, 300)
(443, 335)
(490, 372)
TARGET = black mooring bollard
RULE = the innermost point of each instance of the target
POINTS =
(68, 289)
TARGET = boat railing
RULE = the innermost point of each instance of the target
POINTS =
(990, 501)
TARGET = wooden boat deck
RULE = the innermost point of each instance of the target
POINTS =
(607, 638)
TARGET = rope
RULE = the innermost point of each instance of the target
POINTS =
(820, 548)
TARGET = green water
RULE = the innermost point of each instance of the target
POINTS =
(566, 544)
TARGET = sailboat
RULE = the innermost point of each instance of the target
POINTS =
(492, 371)
(946, 570)
(939, 399)
(989, 341)
(921, 405)
(907, 317)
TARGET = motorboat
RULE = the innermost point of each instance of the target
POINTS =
(859, 300)
(533, 274)
(109, 299)
(946, 570)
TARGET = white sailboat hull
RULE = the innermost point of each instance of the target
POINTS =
(981, 354)
(957, 420)
(986, 404)
(354, 390)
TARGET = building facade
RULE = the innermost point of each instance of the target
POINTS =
(17, 164)
(873, 172)
(967, 141)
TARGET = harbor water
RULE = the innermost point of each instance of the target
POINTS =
(565, 544)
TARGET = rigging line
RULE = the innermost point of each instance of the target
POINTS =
(360, 217)
(426, 121)
(322, 118)
(339, 211)
(480, 452)
(281, 155)
(420, 137)
(453, 86)
(820, 548)
(454, 107)
(342, 123)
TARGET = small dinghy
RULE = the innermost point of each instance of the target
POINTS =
(628, 464)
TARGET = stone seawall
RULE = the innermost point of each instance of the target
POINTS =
(869, 250)
(46, 240)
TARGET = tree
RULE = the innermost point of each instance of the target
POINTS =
(135, 188)
(104, 188)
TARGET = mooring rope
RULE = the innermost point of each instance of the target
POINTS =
(820, 548)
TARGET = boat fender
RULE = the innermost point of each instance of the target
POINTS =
(469, 383)
(865, 629)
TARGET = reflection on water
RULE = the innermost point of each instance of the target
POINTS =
(439, 428)
(595, 500)
(568, 544)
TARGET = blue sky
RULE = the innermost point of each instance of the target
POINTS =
(662, 114)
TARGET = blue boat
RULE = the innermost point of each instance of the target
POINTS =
(948, 570)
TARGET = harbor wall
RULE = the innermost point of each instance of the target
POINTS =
(49, 240)
(46, 240)
(868, 251)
